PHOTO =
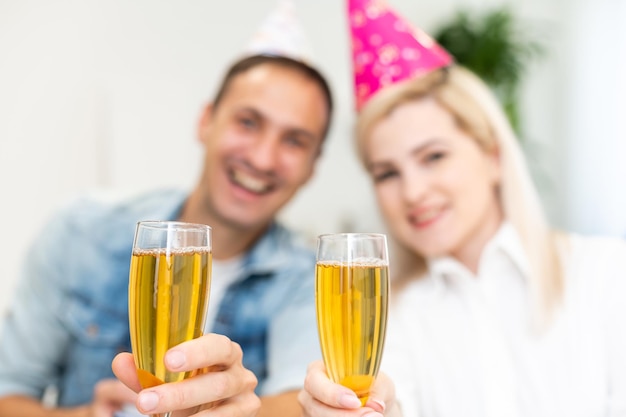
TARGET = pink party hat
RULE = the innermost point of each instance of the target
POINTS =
(386, 49)
(281, 34)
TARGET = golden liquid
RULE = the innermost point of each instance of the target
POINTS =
(351, 320)
(168, 296)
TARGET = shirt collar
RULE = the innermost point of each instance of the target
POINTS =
(505, 243)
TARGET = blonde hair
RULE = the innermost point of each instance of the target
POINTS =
(479, 114)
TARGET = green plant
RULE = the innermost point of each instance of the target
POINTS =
(493, 45)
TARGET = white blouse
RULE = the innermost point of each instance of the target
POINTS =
(462, 346)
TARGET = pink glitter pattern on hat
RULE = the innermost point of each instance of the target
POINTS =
(386, 49)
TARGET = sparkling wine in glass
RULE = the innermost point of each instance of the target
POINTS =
(168, 294)
(352, 294)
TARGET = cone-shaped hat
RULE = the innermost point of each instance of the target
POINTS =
(281, 34)
(386, 49)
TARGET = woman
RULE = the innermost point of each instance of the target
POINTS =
(493, 313)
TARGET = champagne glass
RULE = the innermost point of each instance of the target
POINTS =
(351, 296)
(168, 294)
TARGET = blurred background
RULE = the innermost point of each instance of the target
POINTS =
(103, 97)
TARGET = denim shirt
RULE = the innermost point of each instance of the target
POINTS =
(69, 315)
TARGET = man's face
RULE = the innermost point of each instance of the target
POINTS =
(261, 143)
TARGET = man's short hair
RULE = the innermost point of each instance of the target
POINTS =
(244, 64)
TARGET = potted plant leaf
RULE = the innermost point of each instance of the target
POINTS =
(493, 45)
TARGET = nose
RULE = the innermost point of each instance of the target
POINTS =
(414, 188)
(264, 153)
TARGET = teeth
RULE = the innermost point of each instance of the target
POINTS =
(250, 183)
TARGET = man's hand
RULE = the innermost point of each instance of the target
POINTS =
(110, 395)
(220, 380)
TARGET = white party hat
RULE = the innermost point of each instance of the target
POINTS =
(281, 34)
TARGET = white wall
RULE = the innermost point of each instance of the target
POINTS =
(102, 93)
(596, 110)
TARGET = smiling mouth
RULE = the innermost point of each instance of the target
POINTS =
(425, 218)
(250, 183)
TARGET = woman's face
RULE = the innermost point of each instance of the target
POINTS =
(436, 187)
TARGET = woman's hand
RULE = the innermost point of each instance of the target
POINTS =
(221, 379)
(323, 398)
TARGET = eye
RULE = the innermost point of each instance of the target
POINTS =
(300, 140)
(434, 156)
(295, 141)
(385, 175)
(247, 122)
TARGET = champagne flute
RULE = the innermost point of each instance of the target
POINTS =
(168, 294)
(351, 296)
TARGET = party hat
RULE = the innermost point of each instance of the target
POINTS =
(386, 49)
(281, 34)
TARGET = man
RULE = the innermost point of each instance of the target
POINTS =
(262, 136)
